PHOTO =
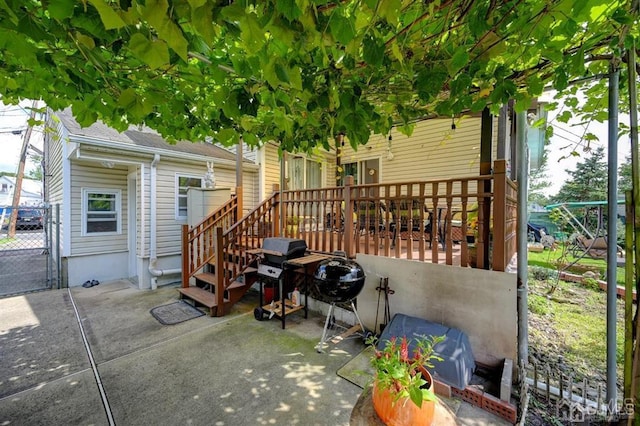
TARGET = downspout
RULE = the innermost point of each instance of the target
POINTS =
(153, 254)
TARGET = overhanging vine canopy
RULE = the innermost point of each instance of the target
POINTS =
(298, 71)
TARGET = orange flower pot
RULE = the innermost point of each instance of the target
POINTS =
(403, 412)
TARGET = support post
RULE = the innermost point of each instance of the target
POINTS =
(612, 257)
(486, 136)
(239, 205)
(348, 217)
(523, 283)
(499, 209)
(220, 271)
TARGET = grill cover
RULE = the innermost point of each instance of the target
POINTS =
(291, 248)
(339, 279)
(457, 365)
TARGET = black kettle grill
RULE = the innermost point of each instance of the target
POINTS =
(339, 280)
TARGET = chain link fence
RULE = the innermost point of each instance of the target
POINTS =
(26, 260)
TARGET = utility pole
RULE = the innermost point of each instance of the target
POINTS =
(17, 189)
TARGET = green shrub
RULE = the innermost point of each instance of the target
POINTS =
(538, 305)
(591, 283)
(541, 274)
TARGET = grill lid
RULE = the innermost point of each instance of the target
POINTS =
(291, 248)
(339, 279)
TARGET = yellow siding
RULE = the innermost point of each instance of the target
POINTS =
(271, 169)
(433, 151)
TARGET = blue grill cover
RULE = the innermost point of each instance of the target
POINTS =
(458, 363)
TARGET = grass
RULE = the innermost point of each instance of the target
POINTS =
(577, 316)
(6, 240)
(551, 259)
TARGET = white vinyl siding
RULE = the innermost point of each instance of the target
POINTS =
(90, 175)
(53, 173)
(101, 212)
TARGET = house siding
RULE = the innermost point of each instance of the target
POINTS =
(433, 151)
(53, 159)
(89, 175)
(271, 169)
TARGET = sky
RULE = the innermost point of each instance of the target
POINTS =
(14, 118)
(567, 137)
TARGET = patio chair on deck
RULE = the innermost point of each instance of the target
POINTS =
(370, 217)
(408, 223)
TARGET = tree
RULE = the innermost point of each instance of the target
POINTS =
(35, 173)
(538, 182)
(300, 71)
(624, 176)
(588, 182)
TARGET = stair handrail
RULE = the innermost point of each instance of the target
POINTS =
(197, 241)
(238, 240)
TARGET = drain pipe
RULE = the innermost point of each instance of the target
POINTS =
(153, 250)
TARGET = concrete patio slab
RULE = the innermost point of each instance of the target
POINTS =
(228, 371)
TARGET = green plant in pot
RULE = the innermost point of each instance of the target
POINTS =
(403, 387)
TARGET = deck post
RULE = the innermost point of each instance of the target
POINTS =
(220, 271)
(348, 217)
(185, 256)
(499, 210)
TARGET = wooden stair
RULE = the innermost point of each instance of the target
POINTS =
(203, 292)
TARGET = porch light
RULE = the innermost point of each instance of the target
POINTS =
(389, 153)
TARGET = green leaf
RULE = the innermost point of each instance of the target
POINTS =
(110, 18)
(155, 54)
(458, 60)
(60, 9)
(281, 73)
(228, 137)
(389, 10)
(535, 84)
(155, 12)
(373, 51)
(289, 9)
(195, 4)
(252, 34)
(342, 28)
(85, 41)
(12, 16)
(416, 396)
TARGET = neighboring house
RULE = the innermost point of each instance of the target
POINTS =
(123, 198)
(30, 194)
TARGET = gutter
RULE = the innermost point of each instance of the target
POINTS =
(153, 249)
(123, 146)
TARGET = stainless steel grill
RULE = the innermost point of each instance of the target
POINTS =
(275, 253)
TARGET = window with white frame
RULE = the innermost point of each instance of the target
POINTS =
(101, 211)
(182, 184)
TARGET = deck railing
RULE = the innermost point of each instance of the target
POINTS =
(417, 220)
(420, 220)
